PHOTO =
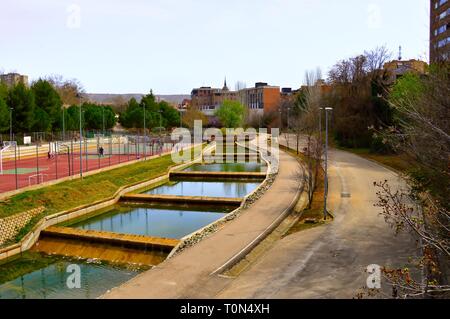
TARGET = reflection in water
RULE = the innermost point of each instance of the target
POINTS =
(156, 222)
(228, 167)
(210, 189)
(50, 282)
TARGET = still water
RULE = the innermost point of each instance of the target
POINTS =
(148, 221)
(210, 189)
(47, 277)
(229, 167)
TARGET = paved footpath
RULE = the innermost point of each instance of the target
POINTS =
(189, 274)
(330, 261)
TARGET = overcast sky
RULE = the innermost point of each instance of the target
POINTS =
(171, 46)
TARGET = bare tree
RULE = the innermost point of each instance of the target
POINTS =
(306, 127)
(422, 132)
(69, 90)
(376, 59)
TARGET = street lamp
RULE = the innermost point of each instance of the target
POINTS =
(281, 118)
(10, 124)
(160, 120)
(325, 211)
(181, 117)
(103, 120)
(63, 125)
(81, 138)
(145, 136)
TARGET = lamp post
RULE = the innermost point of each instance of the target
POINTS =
(320, 125)
(10, 124)
(63, 125)
(281, 118)
(325, 211)
(145, 136)
(160, 121)
(181, 118)
(81, 138)
(103, 120)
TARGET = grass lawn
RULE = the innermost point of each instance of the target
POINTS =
(75, 193)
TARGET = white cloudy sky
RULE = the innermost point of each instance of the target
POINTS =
(171, 46)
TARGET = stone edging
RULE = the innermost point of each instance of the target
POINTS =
(198, 236)
(11, 225)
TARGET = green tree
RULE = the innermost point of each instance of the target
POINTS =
(231, 114)
(48, 100)
(42, 121)
(98, 115)
(171, 115)
(149, 101)
(21, 99)
(3, 91)
(152, 110)
(4, 115)
(133, 115)
(409, 88)
(72, 116)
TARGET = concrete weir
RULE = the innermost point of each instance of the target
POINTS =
(183, 175)
(223, 158)
(125, 240)
(182, 200)
(105, 246)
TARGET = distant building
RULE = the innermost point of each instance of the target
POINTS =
(185, 104)
(397, 68)
(439, 30)
(321, 84)
(261, 99)
(208, 99)
(12, 79)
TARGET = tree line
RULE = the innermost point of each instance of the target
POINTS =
(157, 114)
(42, 108)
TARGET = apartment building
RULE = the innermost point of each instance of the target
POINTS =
(12, 79)
(439, 30)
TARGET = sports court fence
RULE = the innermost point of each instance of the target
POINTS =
(48, 158)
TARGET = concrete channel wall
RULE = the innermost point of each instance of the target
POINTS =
(31, 238)
(202, 233)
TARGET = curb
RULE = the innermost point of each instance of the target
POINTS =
(246, 250)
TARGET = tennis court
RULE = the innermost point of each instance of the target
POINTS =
(21, 169)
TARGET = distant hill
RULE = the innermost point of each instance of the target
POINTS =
(113, 98)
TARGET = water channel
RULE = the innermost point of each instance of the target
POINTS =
(39, 276)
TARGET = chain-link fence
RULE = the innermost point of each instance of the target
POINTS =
(41, 157)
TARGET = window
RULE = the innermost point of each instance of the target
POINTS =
(439, 3)
(444, 14)
(441, 29)
(443, 42)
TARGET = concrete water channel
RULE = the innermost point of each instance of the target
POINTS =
(140, 234)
